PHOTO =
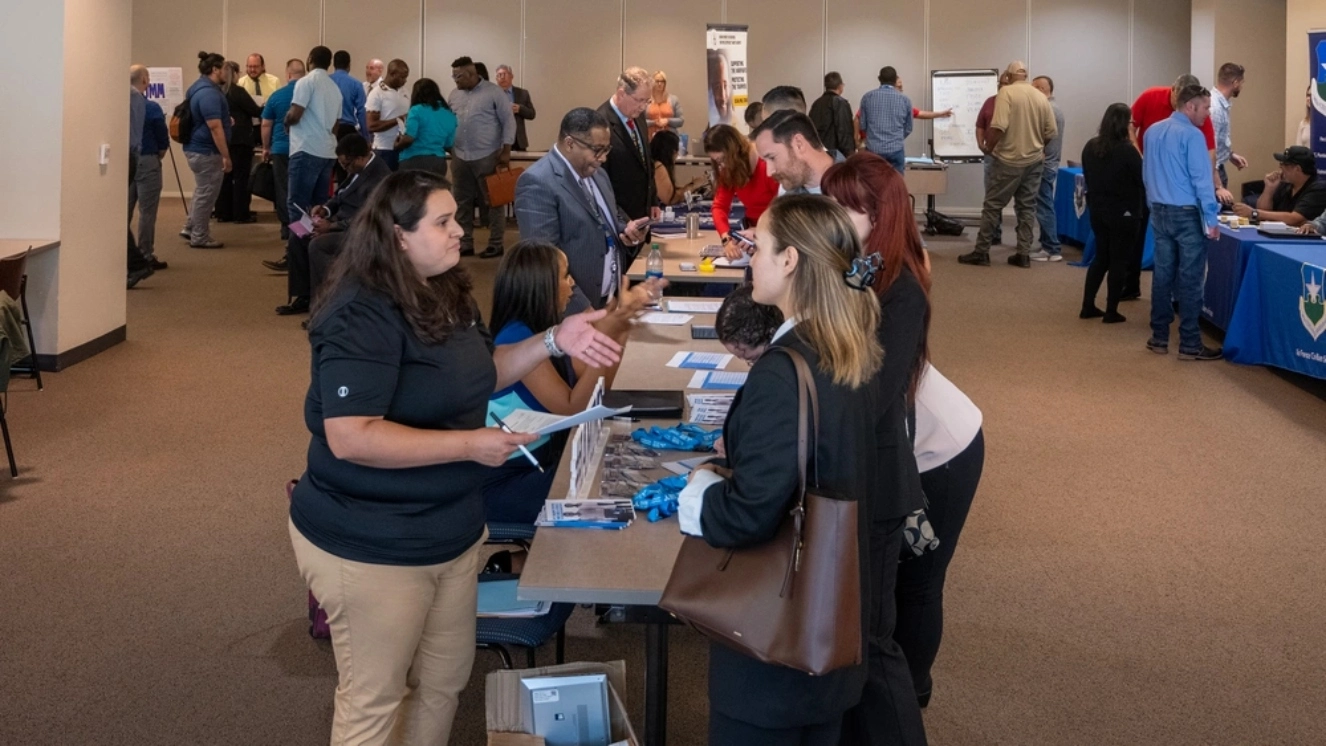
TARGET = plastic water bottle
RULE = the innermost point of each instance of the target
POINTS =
(654, 264)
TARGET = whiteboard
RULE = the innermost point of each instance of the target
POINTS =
(963, 91)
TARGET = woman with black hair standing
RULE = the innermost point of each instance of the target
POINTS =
(430, 129)
(387, 520)
(1112, 168)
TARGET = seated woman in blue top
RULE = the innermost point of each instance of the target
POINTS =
(430, 130)
(532, 290)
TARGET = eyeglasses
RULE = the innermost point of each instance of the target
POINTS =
(598, 150)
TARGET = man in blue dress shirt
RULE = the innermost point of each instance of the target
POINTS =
(886, 117)
(1181, 193)
(354, 118)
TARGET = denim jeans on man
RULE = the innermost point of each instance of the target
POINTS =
(208, 170)
(472, 188)
(310, 182)
(897, 159)
(281, 177)
(1045, 209)
(1004, 183)
(1180, 263)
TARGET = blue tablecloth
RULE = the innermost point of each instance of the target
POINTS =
(1226, 258)
(1073, 219)
(1279, 318)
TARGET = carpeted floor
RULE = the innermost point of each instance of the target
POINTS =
(1142, 564)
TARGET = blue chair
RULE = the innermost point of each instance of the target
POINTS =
(531, 634)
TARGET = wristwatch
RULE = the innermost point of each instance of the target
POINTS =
(550, 342)
(1256, 215)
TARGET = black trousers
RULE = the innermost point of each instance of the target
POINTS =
(234, 201)
(920, 592)
(322, 251)
(134, 259)
(1116, 242)
(724, 731)
(297, 280)
(1132, 281)
(888, 712)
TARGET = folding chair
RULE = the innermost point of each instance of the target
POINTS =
(532, 633)
(14, 280)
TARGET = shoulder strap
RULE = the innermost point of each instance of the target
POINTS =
(808, 415)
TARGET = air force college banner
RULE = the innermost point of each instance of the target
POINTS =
(728, 84)
(1317, 74)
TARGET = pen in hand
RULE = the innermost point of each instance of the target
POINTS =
(523, 449)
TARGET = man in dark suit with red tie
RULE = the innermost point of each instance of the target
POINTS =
(629, 166)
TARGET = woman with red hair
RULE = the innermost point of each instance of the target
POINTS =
(931, 445)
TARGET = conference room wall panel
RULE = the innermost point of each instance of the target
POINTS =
(1257, 133)
(571, 50)
(786, 43)
(1161, 46)
(864, 35)
(1087, 77)
(488, 32)
(573, 55)
(277, 30)
(385, 29)
(671, 38)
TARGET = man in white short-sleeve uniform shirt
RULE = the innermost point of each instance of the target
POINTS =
(387, 104)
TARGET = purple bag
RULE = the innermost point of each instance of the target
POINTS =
(318, 628)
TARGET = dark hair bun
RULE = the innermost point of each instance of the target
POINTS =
(204, 55)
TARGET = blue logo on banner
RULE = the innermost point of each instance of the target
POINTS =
(1321, 62)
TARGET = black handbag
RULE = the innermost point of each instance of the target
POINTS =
(263, 181)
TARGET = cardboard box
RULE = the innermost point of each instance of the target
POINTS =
(503, 702)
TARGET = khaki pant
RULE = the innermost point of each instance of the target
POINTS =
(403, 639)
(1003, 183)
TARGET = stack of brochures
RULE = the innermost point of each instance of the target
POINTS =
(497, 598)
(613, 515)
(709, 409)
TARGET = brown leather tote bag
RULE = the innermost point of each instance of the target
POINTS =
(794, 600)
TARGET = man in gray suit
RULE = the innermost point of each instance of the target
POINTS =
(521, 104)
(567, 200)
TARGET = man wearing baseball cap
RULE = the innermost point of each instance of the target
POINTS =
(1293, 195)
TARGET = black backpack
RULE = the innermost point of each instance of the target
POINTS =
(181, 123)
(939, 224)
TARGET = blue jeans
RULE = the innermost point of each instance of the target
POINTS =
(310, 181)
(897, 159)
(1045, 209)
(390, 157)
(1177, 275)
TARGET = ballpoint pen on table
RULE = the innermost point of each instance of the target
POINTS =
(523, 449)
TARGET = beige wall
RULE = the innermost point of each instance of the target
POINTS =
(1221, 33)
(30, 206)
(567, 52)
(1301, 16)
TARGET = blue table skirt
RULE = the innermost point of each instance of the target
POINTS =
(1279, 318)
(1074, 219)
(1226, 259)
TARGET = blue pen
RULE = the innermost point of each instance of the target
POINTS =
(523, 449)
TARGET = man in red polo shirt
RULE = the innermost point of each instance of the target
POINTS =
(1157, 104)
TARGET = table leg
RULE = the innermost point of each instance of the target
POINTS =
(656, 684)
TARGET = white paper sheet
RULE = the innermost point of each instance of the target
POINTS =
(694, 306)
(743, 261)
(717, 379)
(666, 319)
(685, 466)
(542, 423)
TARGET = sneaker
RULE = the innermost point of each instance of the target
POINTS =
(1045, 256)
(184, 234)
(138, 276)
(210, 243)
(280, 265)
(1160, 348)
(975, 258)
(1201, 353)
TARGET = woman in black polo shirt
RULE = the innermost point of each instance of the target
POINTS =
(387, 521)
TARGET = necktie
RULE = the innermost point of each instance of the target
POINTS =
(635, 137)
(257, 86)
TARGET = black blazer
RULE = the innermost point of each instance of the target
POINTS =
(903, 309)
(521, 98)
(761, 438)
(833, 120)
(243, 109)
(349, 198)
(631, 172)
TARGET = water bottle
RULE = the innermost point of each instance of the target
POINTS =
(654, 265)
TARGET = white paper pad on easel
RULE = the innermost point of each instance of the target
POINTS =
(700, 360)
(542, 423)
(666, 319)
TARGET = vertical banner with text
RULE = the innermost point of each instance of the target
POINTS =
(1317, 74)
(729, 86)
